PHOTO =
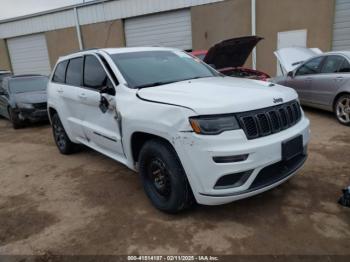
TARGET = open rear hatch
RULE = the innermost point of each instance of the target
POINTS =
(232, 52)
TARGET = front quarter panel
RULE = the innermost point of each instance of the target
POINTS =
(149, 117)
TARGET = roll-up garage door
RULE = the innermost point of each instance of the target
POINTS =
(341, 32)
(170, 29)
(29, 54)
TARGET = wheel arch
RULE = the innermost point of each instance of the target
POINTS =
(51, 112)
(337, 97)
(138, 140)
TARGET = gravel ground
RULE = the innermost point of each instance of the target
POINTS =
(87, 203)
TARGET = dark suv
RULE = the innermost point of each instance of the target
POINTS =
(23, 98)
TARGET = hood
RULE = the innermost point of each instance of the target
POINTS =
(291, 57)
(31, 97)
(219, 95)
(232, 52)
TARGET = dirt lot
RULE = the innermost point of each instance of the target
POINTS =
(89, 204)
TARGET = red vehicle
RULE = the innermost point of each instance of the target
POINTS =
(229, 56)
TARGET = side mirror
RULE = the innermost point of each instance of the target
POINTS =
(2, 92)
(104, 105)
(107, 90)
(291, 74)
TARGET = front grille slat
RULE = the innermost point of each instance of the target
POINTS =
(267, 121)
(40, 106)
(263, 123)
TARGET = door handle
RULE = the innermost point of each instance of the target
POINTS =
(82, 96)
(60, 90)
(309, 79)
(339, 78)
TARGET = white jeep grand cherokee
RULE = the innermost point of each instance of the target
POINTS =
(192, 133)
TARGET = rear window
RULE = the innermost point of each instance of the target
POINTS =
(60, 73)
(75, 72)
(332, 64)
(23, 84)
(345, 67)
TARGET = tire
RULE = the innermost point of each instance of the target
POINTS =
(63, 143)
(163, 177)
(16, 122)
(342, 109)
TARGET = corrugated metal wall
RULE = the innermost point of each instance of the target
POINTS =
(341, 31)
(169, 29)
(29, 55)
(93, 13)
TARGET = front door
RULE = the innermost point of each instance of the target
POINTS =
(304, 77)
(101, 129)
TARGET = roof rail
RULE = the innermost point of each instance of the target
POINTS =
(25, 75)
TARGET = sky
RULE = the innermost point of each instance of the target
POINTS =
(14, 8)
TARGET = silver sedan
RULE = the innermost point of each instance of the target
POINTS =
(322, 81)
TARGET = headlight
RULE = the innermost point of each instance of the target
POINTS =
(213, 125)
(25, 106)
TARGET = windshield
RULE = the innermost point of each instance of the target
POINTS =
(21, 85)
(151, 68)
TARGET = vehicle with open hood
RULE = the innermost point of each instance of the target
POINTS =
(23, 99)
(193, 134)
(229, 57)
(321, 80)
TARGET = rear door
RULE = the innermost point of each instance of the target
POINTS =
(325, 85)
(101, 128)
(66, 82)
(304, 76)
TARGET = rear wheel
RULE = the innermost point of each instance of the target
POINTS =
(64, 144)
(14, 118)
(342, 109)
(163, 177)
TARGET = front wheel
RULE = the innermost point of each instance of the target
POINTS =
(14, 118)
(342, 109)
(64, 144)
(163, 177)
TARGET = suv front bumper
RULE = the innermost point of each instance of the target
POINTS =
(264, 163)
(33, 115)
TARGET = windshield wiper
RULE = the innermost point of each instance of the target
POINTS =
(153, 84)
(168, 82)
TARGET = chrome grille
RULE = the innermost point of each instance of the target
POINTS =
(267, 121)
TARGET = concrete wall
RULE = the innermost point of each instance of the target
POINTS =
(105, 34)
(275, 16)
(61, 42)
(5, 63)
(215, 22)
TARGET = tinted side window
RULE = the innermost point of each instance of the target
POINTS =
(94, 74)
(332, 64)
(75, 71)
(60, 73)
(311, 67)
(345, 67)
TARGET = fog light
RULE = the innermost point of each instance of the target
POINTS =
(233, 180)
(230, 159)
